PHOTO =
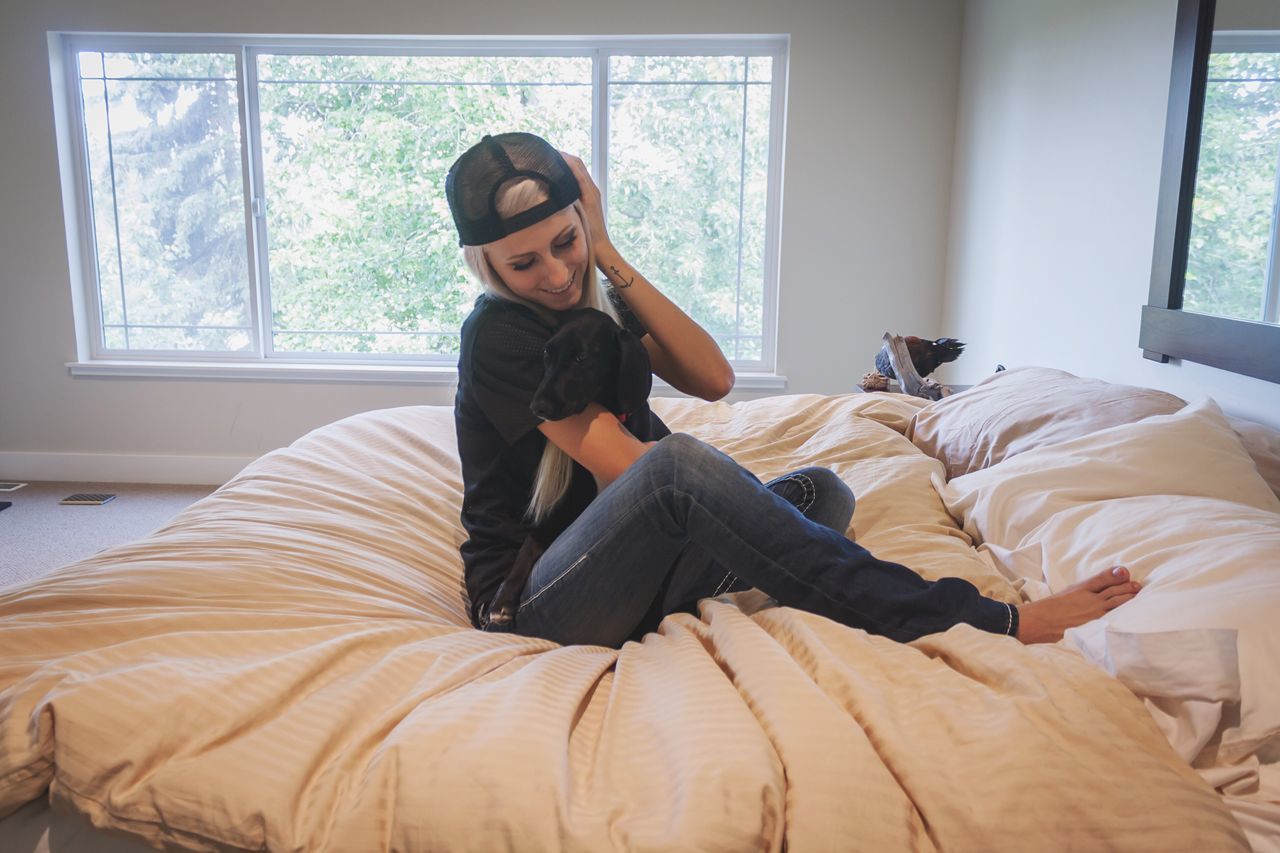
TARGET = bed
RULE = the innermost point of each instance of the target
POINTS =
(288, 665)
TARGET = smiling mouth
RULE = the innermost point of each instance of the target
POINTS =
(561, 290)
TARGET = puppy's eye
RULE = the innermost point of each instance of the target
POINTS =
(582, 356)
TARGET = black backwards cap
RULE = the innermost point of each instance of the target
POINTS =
(473, 182)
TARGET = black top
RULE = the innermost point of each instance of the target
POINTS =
(499, 369)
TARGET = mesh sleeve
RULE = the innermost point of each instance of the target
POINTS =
(506, 369)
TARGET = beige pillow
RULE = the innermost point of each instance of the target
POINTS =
(1263, 444)
(1193, 452)
(1024, 408)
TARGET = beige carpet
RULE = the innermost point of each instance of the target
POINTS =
(37, 534)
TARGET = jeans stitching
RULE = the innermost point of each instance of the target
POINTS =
(725, 583)
(810, 490)
(553, 582)
(585, 554)
(726, 531)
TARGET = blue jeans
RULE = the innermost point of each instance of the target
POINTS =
(685, 522)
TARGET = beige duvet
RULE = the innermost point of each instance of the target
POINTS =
(288, 666)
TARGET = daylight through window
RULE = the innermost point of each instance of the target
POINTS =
(285, 201)
(1233, 266)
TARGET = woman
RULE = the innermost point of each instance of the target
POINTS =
(637, 523)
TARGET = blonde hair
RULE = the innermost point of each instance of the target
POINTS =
(555, 469)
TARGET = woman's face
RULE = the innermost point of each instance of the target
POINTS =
(545, 263)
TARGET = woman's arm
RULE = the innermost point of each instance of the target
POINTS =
(597, 441)
(681, 351)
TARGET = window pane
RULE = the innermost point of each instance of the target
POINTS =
(1236, 185)
(113, 337)
(436, 70)
(693, 69)
(688, 172)
(363, 254)
(755, 206)
(110, 285)
(90, 64)
(171, 66)
(202, 338)
(168, 209)
(760, 69)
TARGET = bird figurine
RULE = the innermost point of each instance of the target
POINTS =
(910, 360)
(926, 355)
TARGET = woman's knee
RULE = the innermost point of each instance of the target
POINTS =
(681, 447)
(827, 482)
(690, 465)
(821, 495)
(680, 442)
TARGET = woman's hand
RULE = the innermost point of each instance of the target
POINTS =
(680, 351)
(590, 203)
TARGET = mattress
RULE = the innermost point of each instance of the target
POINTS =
(288, 665)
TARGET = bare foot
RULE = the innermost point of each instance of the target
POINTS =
(1044, 621)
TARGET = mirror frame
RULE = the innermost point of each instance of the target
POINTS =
(1241, 346)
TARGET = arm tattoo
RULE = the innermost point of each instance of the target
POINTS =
(618, 275)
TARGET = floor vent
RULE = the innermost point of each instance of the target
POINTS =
(86, 500)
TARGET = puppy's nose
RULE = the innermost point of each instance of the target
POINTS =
(541, 409)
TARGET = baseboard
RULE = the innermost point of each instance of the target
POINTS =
(120, 468)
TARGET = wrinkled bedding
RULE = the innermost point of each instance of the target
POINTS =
(288, 665)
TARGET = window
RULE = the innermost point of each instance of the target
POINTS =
(283, 202)
(162, 139)
(1233, 269)
(1246, 347)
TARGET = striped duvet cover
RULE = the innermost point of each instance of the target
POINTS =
(288, 665)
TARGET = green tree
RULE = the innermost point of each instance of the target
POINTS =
(362, 253)
(1233, 212)
(175, 157)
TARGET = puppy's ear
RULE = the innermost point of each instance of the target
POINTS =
(635, 373)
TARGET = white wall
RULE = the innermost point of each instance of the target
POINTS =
(868, 176)
(1058, 145)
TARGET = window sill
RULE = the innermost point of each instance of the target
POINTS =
(379, 374)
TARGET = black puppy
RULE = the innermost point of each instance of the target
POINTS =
(591, 359)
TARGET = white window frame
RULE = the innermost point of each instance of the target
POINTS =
(263, 363)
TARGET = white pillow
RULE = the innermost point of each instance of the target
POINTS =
(1192, 452)
(1203, 634)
